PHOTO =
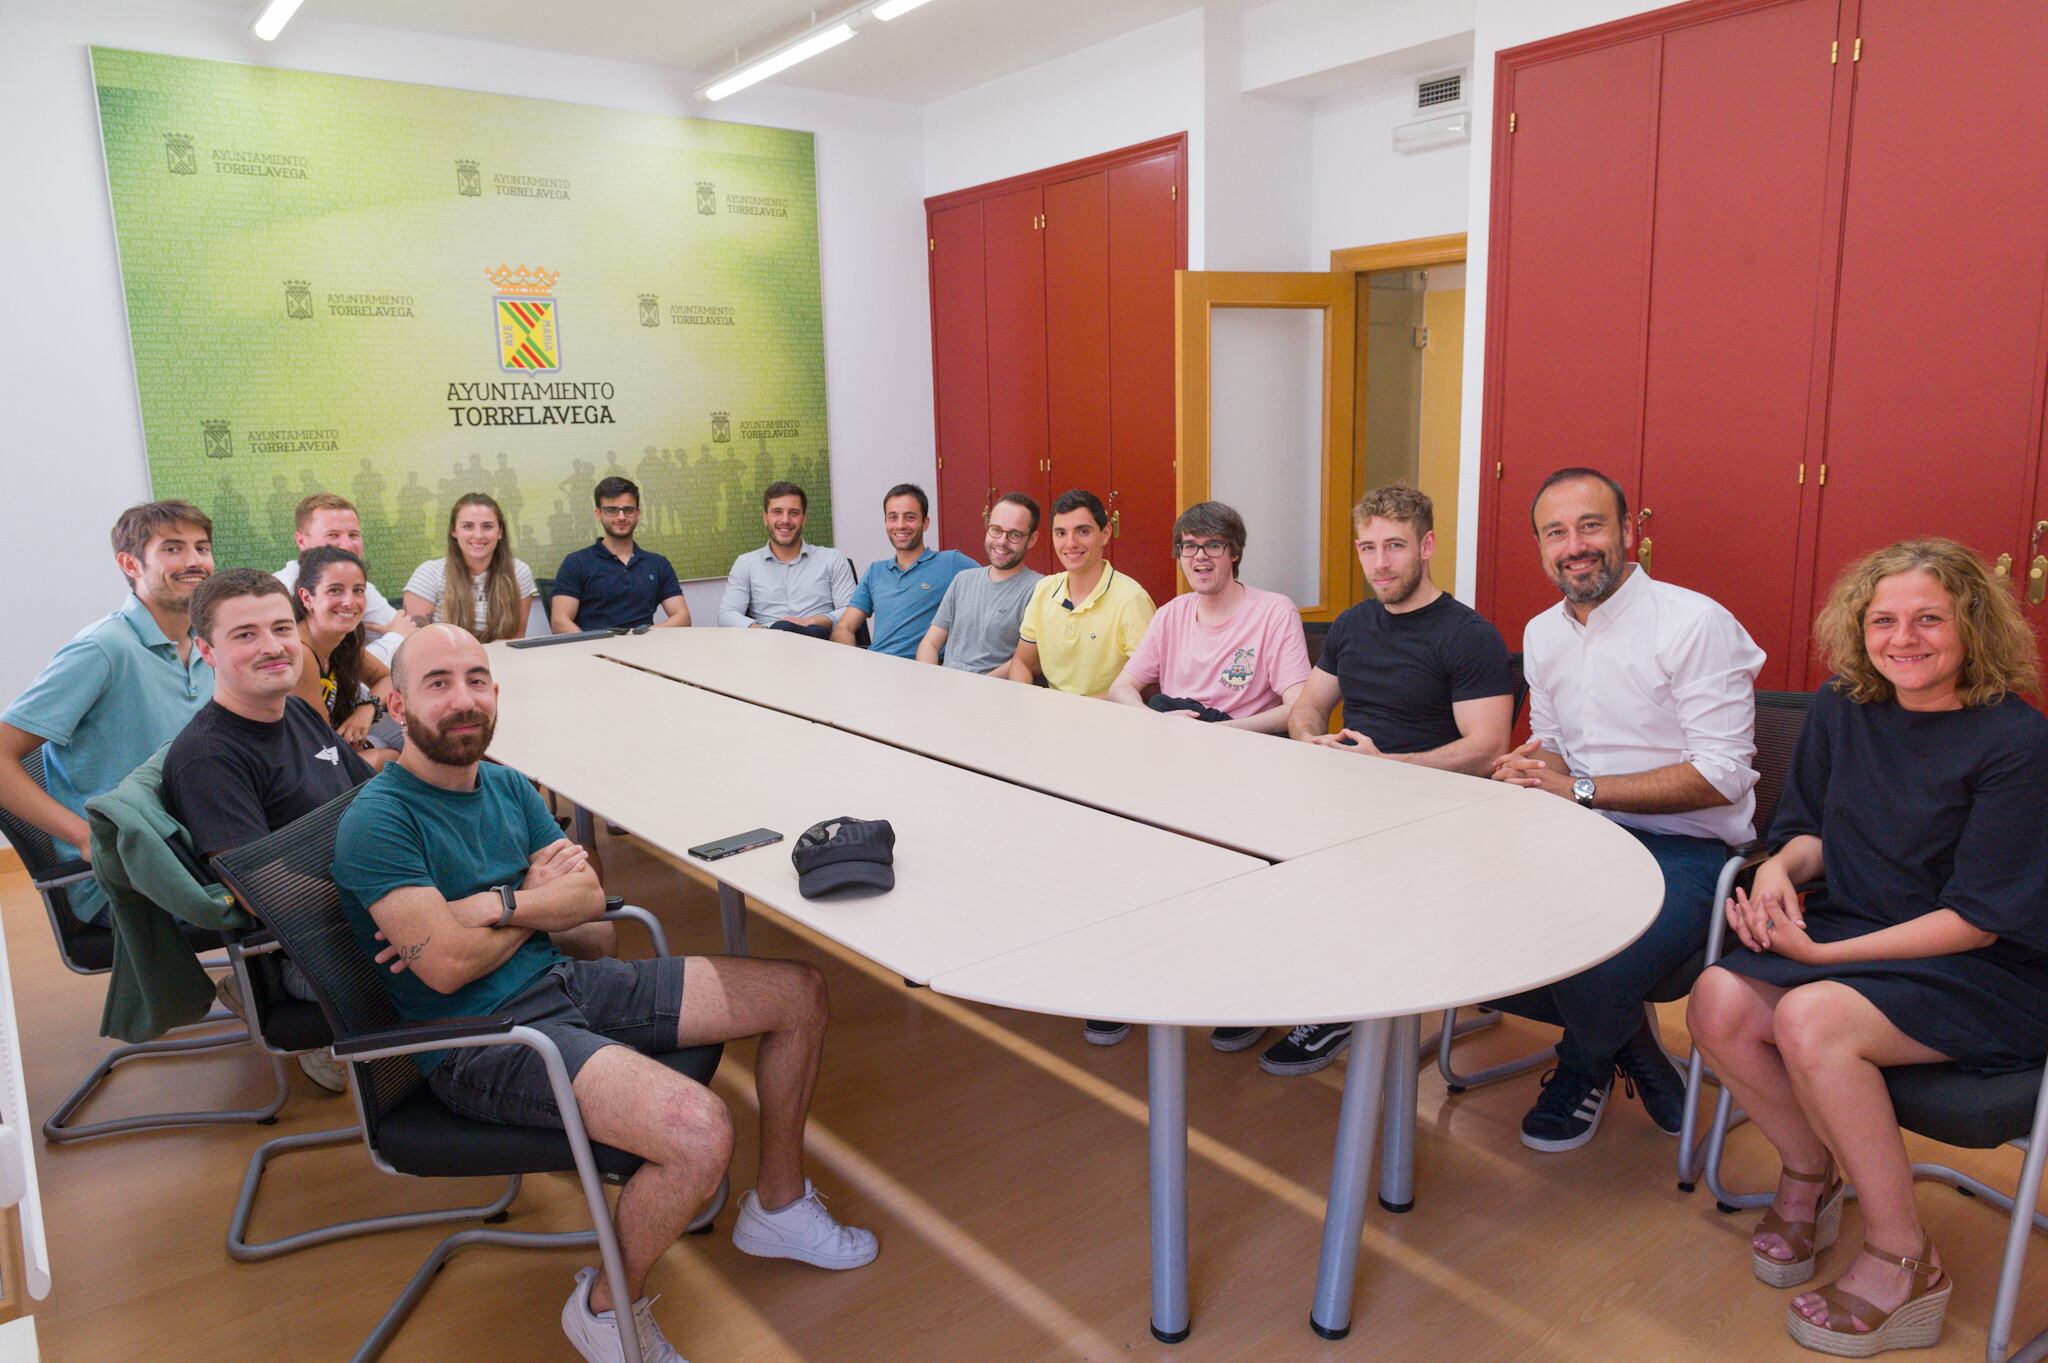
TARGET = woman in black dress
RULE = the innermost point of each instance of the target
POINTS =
(1920, 786)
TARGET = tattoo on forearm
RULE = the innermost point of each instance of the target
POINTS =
(421, 620)
(412, 953)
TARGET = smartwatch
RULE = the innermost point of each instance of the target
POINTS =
(505, 898)
(1582, 791)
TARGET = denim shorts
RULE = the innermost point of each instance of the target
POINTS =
(583, 1007)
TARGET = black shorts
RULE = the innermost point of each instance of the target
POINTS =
(583, 1007)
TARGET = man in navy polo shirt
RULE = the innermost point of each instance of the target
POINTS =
(902, 593)
(615, 584)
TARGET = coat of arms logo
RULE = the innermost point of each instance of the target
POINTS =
(220, 441)
(469, 182)
(721, 428)
(650, 310)
(524, 314)
(707, 197)
(179, 155)
(298, 300)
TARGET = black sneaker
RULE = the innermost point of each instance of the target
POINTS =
(1654, 1077)
(1568, 1113)
(1105, 1033)
(1307, 1048)
(1235, 1038)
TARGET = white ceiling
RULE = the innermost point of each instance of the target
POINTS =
(941, 49)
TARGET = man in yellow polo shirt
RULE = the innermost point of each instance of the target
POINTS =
(1083, 624)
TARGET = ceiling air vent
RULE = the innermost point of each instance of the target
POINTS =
(1434, 92)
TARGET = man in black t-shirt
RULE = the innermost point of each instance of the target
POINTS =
(1423, 677)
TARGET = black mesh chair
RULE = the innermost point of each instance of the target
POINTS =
(283, 880)
(88, 949)
(1947, 1103)
(1780, 715)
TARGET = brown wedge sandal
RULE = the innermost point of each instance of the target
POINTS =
(1806, 1239)
(1914, 1324)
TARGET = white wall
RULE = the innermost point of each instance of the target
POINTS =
(1145, 84)
(73, 455)
(1363, 191)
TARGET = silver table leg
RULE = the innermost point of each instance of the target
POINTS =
(1397, 1118)
(732, 916)
(1168, 1129)
(1357, 1124)
(586, 829)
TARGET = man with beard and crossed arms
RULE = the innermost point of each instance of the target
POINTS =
(1641, 706)
(1423, 677)
(975, 628)
(452, 874)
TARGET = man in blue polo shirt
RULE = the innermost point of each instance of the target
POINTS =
(614, 583)
(902, 593)
(122, 688)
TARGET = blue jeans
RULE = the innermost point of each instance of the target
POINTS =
(1601, 1008)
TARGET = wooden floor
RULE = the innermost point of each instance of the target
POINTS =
(1003, 1164)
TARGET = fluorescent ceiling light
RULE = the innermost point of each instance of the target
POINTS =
(810, 45)
(890, 9)
(274, 17)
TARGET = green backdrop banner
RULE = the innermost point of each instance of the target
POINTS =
(402, 294)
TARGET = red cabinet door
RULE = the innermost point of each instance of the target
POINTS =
(1742, 152)
(1933, 412)
(960, 373)
(1077, 342)
(1016, 345)
(1570, 285)
(1144, 252)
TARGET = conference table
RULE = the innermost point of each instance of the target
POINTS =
(1207, 856)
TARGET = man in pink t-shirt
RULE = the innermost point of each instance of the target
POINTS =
(1223, 652)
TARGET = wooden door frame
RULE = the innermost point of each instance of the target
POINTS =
(1197, 294)
(1416, 253)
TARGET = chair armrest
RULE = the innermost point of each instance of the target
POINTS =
(617, 910)
(419, 1036)
(68, 873)
(258, 944)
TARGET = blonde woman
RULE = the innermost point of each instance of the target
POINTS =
(1920, 784)
(501, 587)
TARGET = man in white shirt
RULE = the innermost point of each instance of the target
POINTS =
(1641, 706)
(329, 518)
(787, 584)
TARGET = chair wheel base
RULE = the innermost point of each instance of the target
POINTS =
(1318, 1327)
(1172, 1336)
(1398, 1207)
(1685, 1187)
(1725, 1209)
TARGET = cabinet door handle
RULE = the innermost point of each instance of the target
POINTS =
(1643, 554)
(1116, 530)
(2040, 529)
(2037, 580)
(2003, 572)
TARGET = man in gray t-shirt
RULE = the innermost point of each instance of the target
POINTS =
(976, 625)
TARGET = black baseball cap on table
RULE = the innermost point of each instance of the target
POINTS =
(843, 853)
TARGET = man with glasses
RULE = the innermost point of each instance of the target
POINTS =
(1224, 652)
(614, 583)
(975, 629)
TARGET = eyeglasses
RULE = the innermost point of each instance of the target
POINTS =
(1202, 549)
(609, 512)
(1009, 536)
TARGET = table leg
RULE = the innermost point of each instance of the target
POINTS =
(1397, 1116)
(1168, 1129)
(732, 916)
(1357, 1124)
(586, 831)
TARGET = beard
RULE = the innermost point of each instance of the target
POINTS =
(1401, 590)
(1591, 589)
(457, 750)
(1003, 558)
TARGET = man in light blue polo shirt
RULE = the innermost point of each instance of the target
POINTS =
(902, 593)
(121, 689)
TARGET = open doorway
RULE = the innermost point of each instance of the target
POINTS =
(1409, 365)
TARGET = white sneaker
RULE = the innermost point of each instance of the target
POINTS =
(323, 1069)
(803, 1230)
(596, 1336)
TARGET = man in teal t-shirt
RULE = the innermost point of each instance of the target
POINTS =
(452, 875)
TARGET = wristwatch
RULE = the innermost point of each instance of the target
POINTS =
(1582, 791)
(505, 897)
